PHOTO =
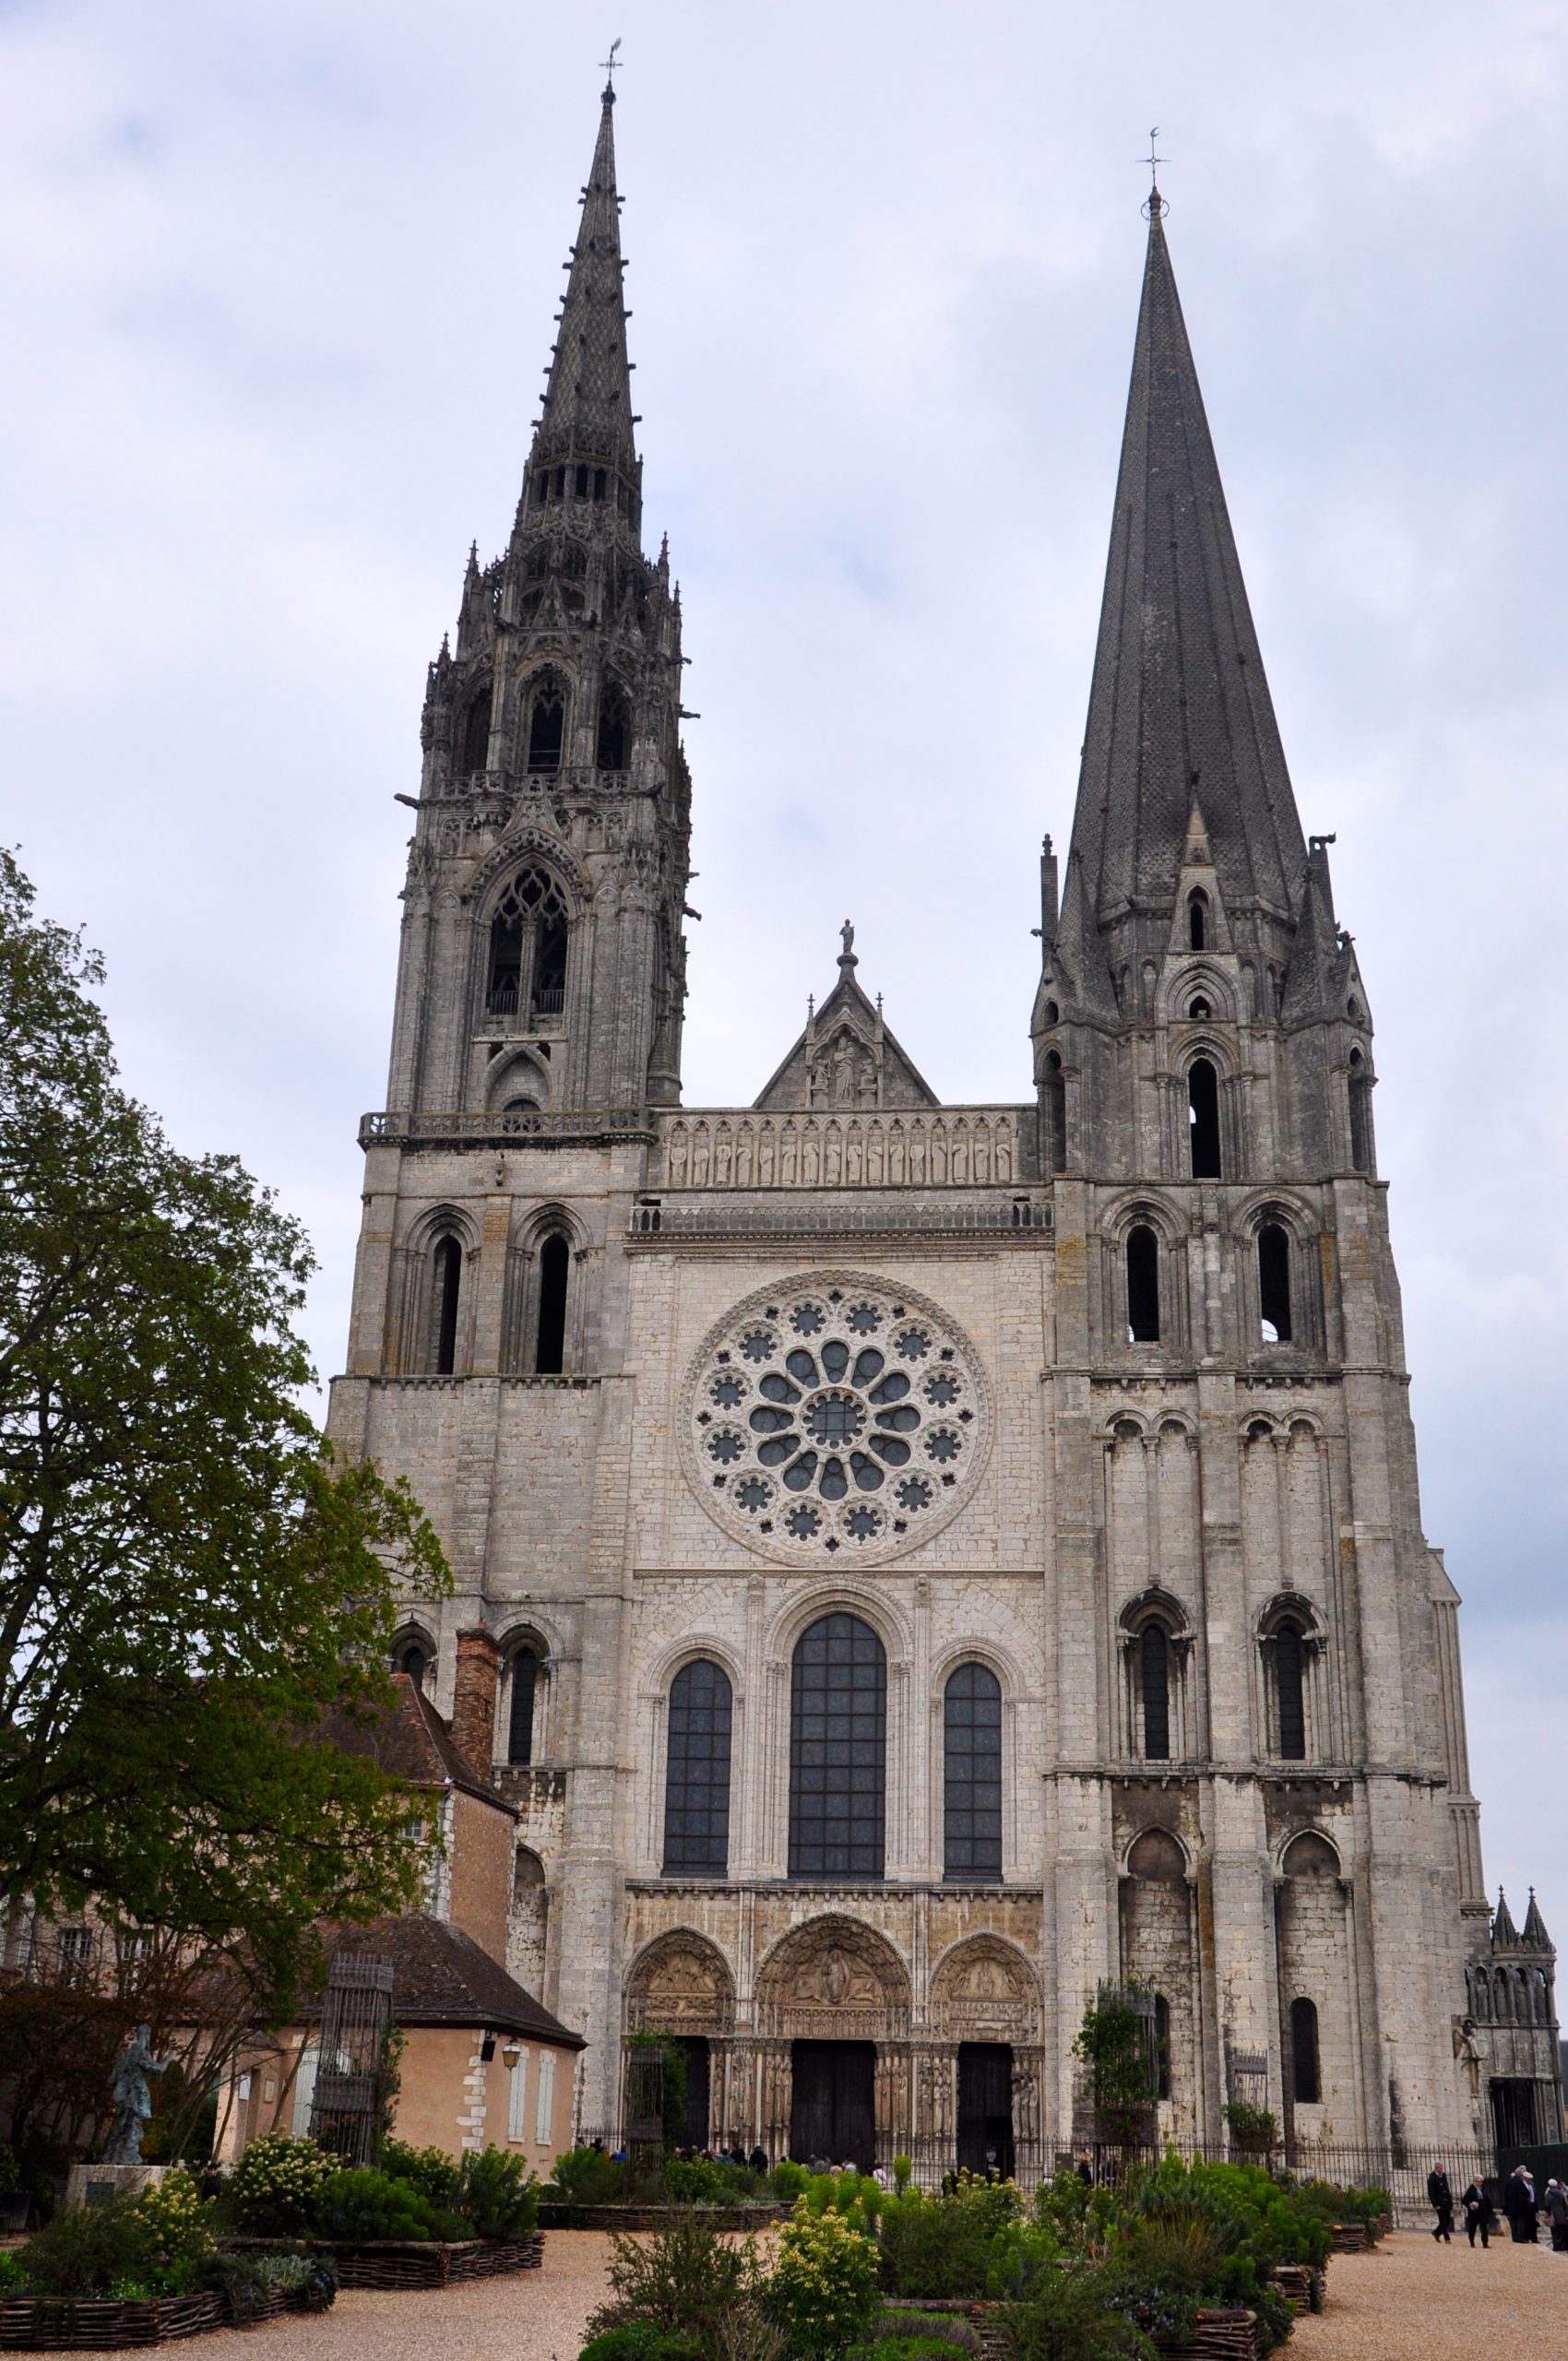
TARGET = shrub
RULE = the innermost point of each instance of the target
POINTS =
(588, 2177)
(358, 2203)
(274, 2187)
(156, 2243)
(698, 2181)
(684, 2282)
(909, 2348)
(640, 2341)
(938, 2328)
(496, 2194)
(13, 2271)
(903, 2173)
(429, 2170)
(823, 2289)
(1253, 2128)
(970, 2242)
(1069, 2316)
(248, 2279)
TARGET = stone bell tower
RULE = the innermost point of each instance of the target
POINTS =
(1250, 1622)
(543, 963)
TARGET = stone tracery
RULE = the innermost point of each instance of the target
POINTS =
(836, 1416)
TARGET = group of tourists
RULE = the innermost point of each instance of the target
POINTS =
(1521, 2208)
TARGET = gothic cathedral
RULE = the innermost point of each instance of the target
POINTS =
(933, 1561)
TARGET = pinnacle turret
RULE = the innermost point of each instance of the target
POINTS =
(1504, 1934)
(1180, 707)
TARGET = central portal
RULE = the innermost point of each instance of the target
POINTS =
(833, 2103)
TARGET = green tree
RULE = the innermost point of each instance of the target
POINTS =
(1114, 2044)
(188, 1581)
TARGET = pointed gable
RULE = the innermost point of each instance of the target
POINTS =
(846, 1056)
(1180, 706)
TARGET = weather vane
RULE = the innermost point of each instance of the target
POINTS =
(1155, 203)
(610, 61)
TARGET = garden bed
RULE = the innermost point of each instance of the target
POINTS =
(1229, 2335)
(386, 2263)
(554, 2215)
(1305, 2287)
(61, 2324)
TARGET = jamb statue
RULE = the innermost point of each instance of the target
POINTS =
(132, 2099)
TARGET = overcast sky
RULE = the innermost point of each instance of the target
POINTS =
(277, 278)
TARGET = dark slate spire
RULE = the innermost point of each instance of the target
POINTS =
(588, 404)
(1180, 706)
(1504, 1935)
(1534, 1937)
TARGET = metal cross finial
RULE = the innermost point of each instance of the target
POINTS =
(1154, 203)
(610, 61)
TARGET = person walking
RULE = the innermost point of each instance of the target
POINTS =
(1439, 2197)
(1555, 2204)
(1480, 2213)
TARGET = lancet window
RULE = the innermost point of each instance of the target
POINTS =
(837, 1750)
(697, 1782)
(971, 1716)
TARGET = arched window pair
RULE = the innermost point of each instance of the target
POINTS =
(837, 1762)
(547, 723)
(529, 937)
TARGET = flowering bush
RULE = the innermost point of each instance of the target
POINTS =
(156, 2244)
(277, 2183)
(823, 2289)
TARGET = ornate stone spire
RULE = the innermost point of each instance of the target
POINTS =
(588, 404)
(1180, 707)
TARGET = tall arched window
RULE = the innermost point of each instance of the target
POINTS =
(1143, 1285)
(1161, 2046)
(1305, 2080)
(528, 948)
(613, 749)
(1360, 1113)
(476, 731)
(1197, 921)
(1273, 1283)
(1290, 1693)
(520, 1719)
(696, 1780)
(1153, 1691)
(1054, 1108)
(549, 1335)
(971, 1802)
(1203, 1119)
(446, 1284)
(547, 726)
(837, 1750)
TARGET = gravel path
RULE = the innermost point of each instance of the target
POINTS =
(1415, 2300)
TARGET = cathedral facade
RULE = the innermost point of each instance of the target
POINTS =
(937, 1560)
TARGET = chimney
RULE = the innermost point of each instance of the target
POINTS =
(473, 1700)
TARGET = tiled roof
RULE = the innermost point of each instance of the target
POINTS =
(413, 1742)
(440, 1977)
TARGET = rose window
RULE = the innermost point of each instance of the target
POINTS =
(836, 1417)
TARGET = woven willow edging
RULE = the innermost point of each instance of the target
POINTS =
(412, 2262)
(1229, 2335)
